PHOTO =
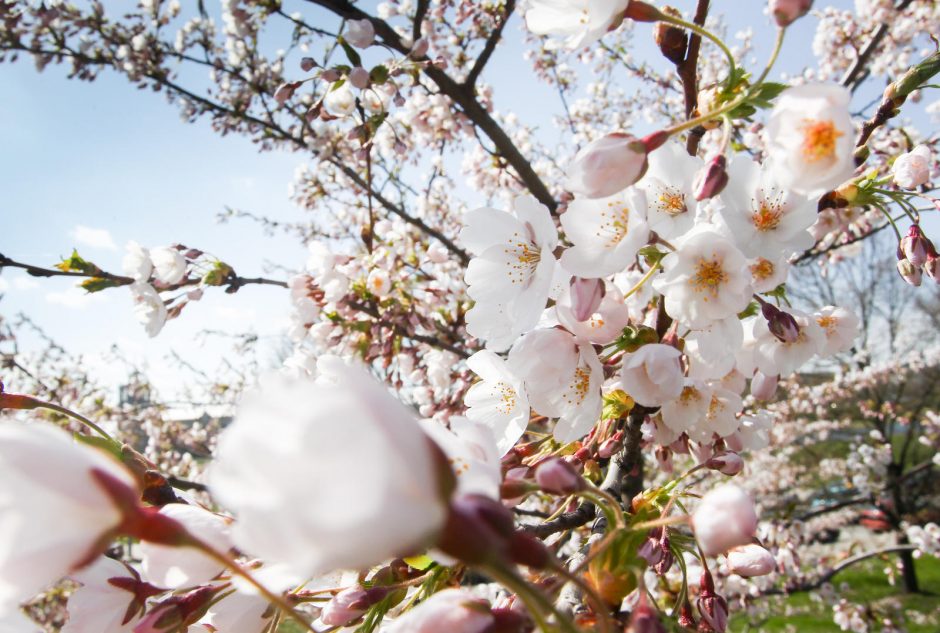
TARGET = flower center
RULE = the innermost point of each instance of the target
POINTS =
(827, 323)
(763, 269)
(709, 275)
(767, 216)
(507, 397)
(524, 258)
(819, 139)
(580, 384)
(671, 201)
(715, 406)
(615, 223)
(690, 395)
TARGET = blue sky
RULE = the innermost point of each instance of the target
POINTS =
(94, 165)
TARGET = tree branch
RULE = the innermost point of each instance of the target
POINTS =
(461, 95)
(490, 46)
(688, 73)
(856, 74)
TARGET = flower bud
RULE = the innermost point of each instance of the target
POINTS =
(177, 612)
(285, 91)
(786, 12)
(916, 246)
(909, 272)
(611, 445)
(724, 518)
(420, 48)
(558, 477)
(478, 530)
(912, 169)
(671, 40)
(781, 324)
(751, 560)
(643, 618)
(727, 463)
(307, 64)
(686, 619)
(932, 267)
(350, 604)
(359, 78)
(712, 607)
(607, 165)
(711, 179)
(359, 33)
(586, 296)
(763, 387)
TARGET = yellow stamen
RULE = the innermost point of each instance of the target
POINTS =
(763, 269)
(709, 275)
(819, 139)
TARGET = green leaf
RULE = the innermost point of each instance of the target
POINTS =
(351, 53)
(378, 75)
(421, 562)
(652, 255)
(75, 264)
(97, 284)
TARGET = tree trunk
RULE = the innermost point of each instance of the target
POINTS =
(908, 571)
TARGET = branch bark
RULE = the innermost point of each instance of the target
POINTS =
(688, 73)
(856, 73)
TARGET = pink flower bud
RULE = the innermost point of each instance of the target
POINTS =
(913, 168)
(307, 64)
(932, 267)
(763, 387)
(478, 530)
(785, 12)
(285, 91)
(751, 560)
(359, 77)
(610, 446)
(558, 477)
(643, 618)
(781, 324)
(712, 178)
(359, 33)
(451, 610)
(350, 604)
(712, 607)
(420, 48)
(727, 463)
(686, 619)
(607, 165)
(724, 518)
(915, 246)
(909, 272)
(330, 75)
(586, 296)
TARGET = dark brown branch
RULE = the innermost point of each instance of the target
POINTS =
(833, 507)
(855, 75)
(829, 575)
(688, 73)
(420, 12)
(461, 95)
(490, 46)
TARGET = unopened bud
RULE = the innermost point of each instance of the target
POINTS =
(307, 64)
(686, 619)
(611, 445)
(781, 324)
(642, 12)
(932, 267)
(285, 91)
(671, 40)
(763, 387)
(586, 296)
(712, 607)
(420, 48)
(916, 246)
(558, 477)
(643, 618)
(727, 463)
(359, 78)
(330, 75)
(751, 560)
(350, 604)
(711, 179)
(786, 12)
(909, 272)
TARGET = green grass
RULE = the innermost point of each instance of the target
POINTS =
(867, 585)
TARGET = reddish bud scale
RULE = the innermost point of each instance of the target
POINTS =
(654, 141)
(17, 401)
(711, 179)
(642, 12)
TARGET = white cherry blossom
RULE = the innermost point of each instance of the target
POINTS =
(773, 356)
(136, 262)
(706, 279)
(604, 325)
(149, 308)
(811, 139)
(840, 328)
(668, 185)
(580, 22)
(606, 233)
(169, 265)
(512, 272)
(652, 375)
(684, 412)
(912, 169)
(499, 400)
(174, 567)
(99, 605)
(763, 218)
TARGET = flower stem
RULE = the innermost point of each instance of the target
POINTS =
(240, 571)
(773, 56)
(75, 416)
(653, 269)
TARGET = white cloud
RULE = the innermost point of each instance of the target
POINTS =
(25, 283)
(93, 238)
(74, 297)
